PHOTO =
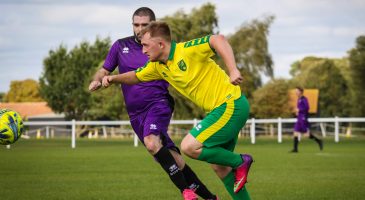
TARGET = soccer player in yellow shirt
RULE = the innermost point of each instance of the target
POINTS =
(188, 67)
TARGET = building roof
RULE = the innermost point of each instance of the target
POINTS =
(29, 109)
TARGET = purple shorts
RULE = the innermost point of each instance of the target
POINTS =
(301, 126)
(154, 121)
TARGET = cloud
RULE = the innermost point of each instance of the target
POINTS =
(93, 14)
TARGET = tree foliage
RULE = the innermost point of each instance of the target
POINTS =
(250, 48)
(2, 95)
(200, 22)
(271, 100)
(23, 91)
(357, 68)
(324, 75)
(107, 104)
(66, 76)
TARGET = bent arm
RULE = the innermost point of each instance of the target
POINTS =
(129, 78)
(98, 77)
(100, 74)
(224, 50)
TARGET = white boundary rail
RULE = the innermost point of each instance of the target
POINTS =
(252, 122)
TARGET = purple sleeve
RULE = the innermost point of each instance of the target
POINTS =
(111, 60)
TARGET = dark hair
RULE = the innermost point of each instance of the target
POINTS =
(145, 11)
(158, 29)
(300, 89)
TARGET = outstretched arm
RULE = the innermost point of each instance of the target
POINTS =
(98, 77)
(224, 49)
(129, 78)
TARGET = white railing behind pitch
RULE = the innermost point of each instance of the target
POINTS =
(251, 122)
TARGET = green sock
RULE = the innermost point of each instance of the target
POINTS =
(220, 156)
(229, 182)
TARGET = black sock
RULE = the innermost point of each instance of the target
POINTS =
(296, 141)
(319, 141)
(195, 183)
(311, 136)
(169, 164)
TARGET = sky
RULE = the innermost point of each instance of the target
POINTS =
(29, 29)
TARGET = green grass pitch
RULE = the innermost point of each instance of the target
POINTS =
(114, 169)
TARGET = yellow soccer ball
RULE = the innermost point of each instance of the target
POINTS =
(11, 126)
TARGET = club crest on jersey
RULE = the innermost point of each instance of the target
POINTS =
(182, 65)
(125, 50)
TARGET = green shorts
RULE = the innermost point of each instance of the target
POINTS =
(223, 124)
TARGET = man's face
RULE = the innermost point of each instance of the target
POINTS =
(139, 22)
(298, 92)
(151, 47)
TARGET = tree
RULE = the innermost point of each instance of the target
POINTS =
(2, 95)
(357, 68)
(200, 22)
(324, 75)
(107, 104)
(66, 76)
(23, 91)
(250, 46)
(294, 68)
(271, 100)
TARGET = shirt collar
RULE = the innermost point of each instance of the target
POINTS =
(172, 50)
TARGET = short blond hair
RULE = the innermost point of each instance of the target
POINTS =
(158, 29)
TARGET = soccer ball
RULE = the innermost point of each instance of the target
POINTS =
(11, 126)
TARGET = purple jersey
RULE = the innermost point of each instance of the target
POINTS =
(302, 124)
(127, 54)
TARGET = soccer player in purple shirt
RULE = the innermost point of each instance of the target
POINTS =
(302, 125)
(150, 108)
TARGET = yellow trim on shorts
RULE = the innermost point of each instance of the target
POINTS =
(207, 133)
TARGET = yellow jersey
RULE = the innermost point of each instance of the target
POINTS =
(192, 72)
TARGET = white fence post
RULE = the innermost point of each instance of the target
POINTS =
(135, 138)
(337, 132)
(47, 132)
(323, 129)
(280, 134)
(73, 134)
(105, 134)
(252, 131)
(195, 122)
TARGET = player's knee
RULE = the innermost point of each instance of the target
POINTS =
(186, 148)
(191, 147)
(189, 150)
(152, 146)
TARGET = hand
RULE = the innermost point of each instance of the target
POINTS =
(235, 77)
(107, 80)
(94, 85)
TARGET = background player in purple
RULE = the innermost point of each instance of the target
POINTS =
(150, 108)
(302, 125)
